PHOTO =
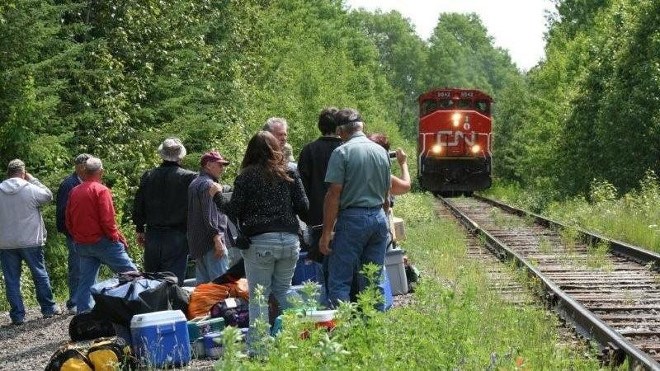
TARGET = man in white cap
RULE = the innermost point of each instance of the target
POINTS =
(161, 204)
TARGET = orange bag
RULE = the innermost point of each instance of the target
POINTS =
(206, 295)
(203, 298)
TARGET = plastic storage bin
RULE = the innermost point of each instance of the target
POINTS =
(213, 344)
(200, 326)
(197, 348)
(161, 339)
(305, 271)
(396, 271)
(295, 292)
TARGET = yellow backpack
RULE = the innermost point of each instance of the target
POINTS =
(102, 354)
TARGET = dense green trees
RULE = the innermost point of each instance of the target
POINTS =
(402, 57)
(592, 107)
(115, 78)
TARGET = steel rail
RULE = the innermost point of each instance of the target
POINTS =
(619, 248)
(585, 322)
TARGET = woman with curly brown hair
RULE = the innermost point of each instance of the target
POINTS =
(266, 199)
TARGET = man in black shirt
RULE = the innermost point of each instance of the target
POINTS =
(161, 203)
(312, 166)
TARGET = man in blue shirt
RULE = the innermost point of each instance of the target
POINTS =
(60, 211)
(359, 178)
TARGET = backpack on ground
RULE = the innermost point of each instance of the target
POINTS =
(90, 326)
(235, 312)
(110, 354)
(70, 357)
(103, 354)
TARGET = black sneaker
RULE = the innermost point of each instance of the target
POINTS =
(56, 312)
(17, 323)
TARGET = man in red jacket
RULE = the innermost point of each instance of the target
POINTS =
(90, 218)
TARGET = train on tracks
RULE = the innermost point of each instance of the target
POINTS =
(454, 141)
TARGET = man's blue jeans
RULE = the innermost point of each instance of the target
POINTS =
(73, 273)
(270, 262)
(208, 267)
(112, 254)
(166, 249)
(11, 269)
(360, 237)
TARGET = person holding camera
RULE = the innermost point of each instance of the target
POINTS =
(398, 185)
(266, 199)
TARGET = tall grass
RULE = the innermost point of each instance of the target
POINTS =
(633, 218)
(453, 321)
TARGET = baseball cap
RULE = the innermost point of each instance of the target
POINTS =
(213, 156)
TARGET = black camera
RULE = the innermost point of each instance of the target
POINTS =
(392, 154)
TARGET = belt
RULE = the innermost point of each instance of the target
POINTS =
(364, 207)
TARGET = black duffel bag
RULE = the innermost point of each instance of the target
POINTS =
(90, 326)
(119, 299)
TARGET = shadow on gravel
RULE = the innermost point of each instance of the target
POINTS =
(9, 331)
(28, 353)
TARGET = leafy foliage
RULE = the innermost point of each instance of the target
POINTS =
(593, 108)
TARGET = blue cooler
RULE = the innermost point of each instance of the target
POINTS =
(161, 339)
(386, 290)
(305, 270)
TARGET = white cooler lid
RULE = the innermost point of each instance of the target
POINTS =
(157, 318)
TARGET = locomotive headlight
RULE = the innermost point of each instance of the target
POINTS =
(437, 149)
(476, 149)
(456, 118)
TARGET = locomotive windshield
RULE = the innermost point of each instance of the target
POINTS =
(483, 106)
(464, 104)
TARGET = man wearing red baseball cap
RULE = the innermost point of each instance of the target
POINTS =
(208, 233)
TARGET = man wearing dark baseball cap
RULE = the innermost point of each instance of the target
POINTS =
(208, 234)
(213, 156)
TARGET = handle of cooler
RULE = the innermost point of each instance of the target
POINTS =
(166, 328)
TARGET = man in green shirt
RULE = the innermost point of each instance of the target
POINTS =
(359, 178)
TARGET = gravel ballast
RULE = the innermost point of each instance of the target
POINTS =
(30, 346)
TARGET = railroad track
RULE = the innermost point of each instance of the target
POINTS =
(609, 291)
(501, 278)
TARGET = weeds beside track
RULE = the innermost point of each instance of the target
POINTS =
(610, 298)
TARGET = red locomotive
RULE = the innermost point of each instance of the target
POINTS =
(454, 141)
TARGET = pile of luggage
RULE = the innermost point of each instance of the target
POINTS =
(147, 319)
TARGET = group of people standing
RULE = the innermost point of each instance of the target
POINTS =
(85, 213)
(342, 184)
